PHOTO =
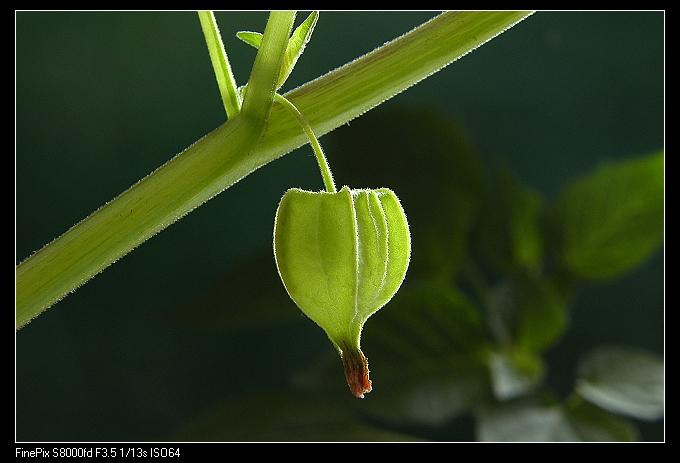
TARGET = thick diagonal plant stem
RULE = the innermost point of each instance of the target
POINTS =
(227, 154)
(161, 198)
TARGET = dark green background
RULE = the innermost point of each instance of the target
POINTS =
(104, 98)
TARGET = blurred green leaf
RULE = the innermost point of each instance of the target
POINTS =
(515, 373)
(427, 396)
(541, 316)
(527, 312)
(501, 311)
(425, 352)
(593, 424)
(523, 422)
(612, 219)
(281, 416)
(425, 322)
(531, 421)
(623, 380)
(404, 393)
(441, 195)
(248, 295)
(510, 232)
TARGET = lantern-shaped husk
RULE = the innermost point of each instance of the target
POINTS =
(341, 257)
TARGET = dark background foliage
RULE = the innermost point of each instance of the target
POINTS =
(191, 336)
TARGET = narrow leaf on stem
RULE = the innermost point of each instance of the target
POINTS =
(254, 39)
(220, 62)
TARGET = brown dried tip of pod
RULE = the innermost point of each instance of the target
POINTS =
(356, 372)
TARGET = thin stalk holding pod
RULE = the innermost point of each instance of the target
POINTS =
(326, 173)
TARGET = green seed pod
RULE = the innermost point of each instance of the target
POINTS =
(341, 257)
